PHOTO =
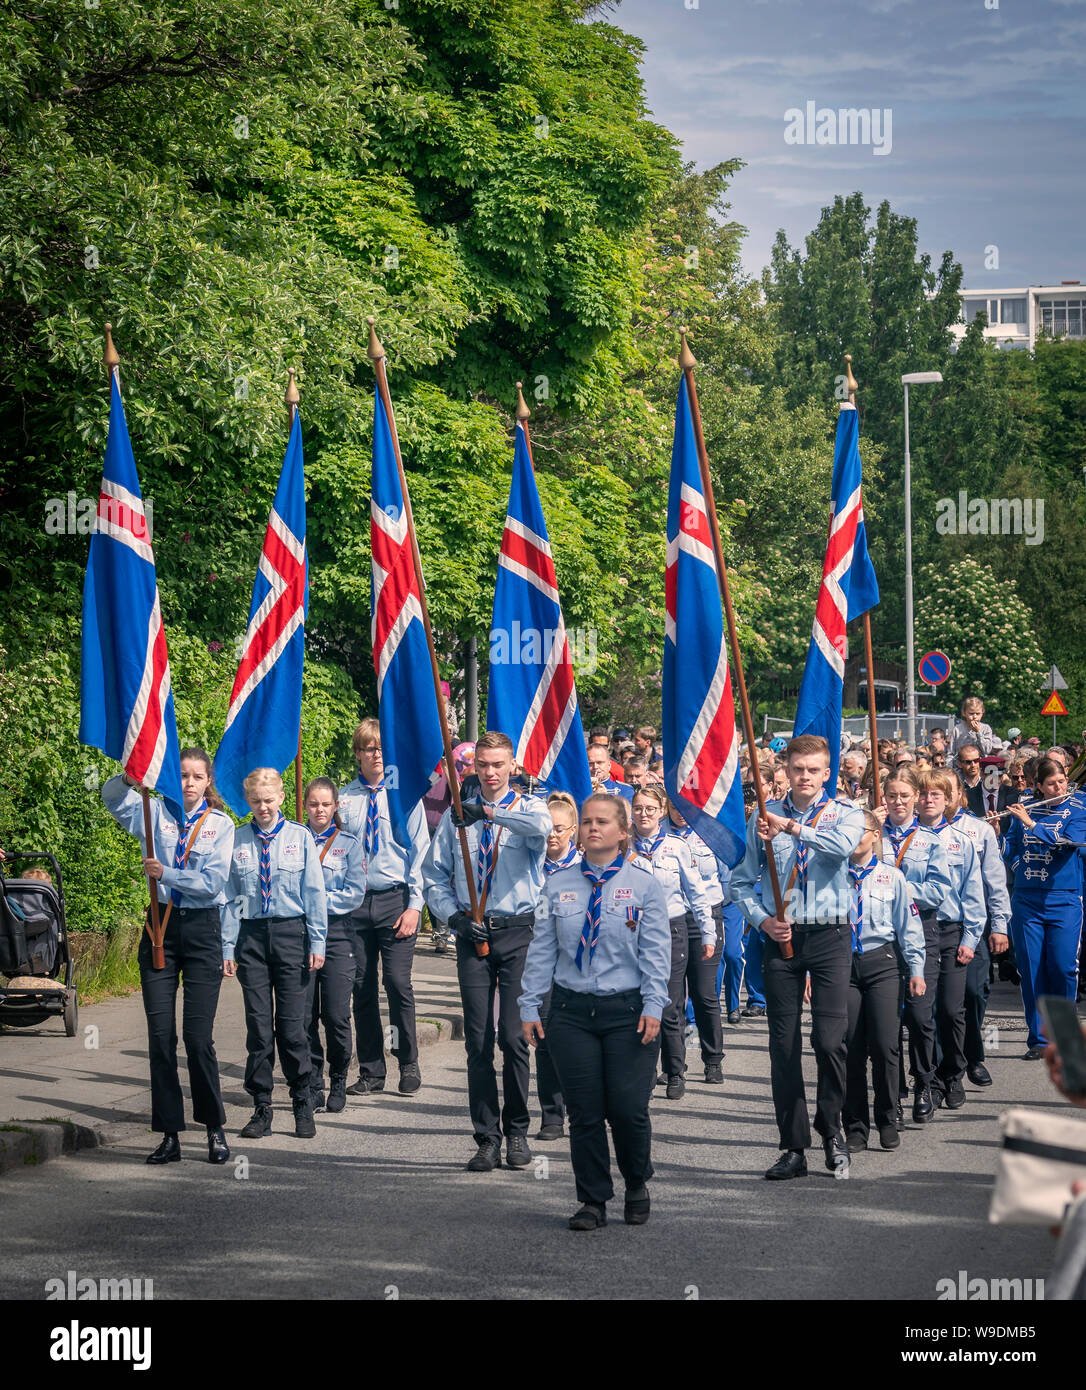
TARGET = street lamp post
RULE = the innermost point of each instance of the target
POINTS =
(911, 379)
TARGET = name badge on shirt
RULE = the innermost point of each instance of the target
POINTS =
(828, 816)
(954, 846)
(243, 855)
(623, 895)
(569, 896)
(336, 852)
(209, 833)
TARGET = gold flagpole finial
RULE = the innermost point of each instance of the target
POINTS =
(686, 357)
(850, 380)
(523, 413)
(111, 357)
(375, 351)
(292, 397)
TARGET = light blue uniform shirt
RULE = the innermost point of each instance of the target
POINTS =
(992, 873)
(839, 830)
(297, 884)
(344, 873)
(517, 881)
(964, 901)
(674, 869)
(927, 874)
(392, 864)
(706, 863)
(202, 882)
(634, 947)
(889, 915)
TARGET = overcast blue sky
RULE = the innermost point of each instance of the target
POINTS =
(988, 117)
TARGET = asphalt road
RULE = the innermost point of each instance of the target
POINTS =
(379, 1205)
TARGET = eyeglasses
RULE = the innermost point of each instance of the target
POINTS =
(371, 748)
(969, 762)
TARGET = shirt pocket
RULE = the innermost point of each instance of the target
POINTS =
(569, 918)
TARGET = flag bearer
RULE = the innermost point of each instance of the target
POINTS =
(812, 836)
(603, 950)
(191, 862)
(507, 843)
(331, 987)
(275, 923)
(387, 922)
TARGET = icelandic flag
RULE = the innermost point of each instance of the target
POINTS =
(701, 741)
(126, 700)
(265, 710)
(532, 695)
(411, 740)
(849, 588)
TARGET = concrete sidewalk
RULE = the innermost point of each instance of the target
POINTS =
(99, 1080)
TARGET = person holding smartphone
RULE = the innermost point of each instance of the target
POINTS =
(602, 946)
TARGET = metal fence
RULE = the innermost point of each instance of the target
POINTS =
(891, 724)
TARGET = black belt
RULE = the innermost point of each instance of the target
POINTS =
(185, 911)
(526, 919)
(819, 926)
(380, 892)
(268, 921)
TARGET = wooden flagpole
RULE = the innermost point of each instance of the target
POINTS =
(376, 354)
(687, 361)
(111, 358)
(291, 401)
(876, 789)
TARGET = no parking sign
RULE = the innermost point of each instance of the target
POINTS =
(934, 668)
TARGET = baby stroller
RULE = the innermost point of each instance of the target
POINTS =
(34, 951)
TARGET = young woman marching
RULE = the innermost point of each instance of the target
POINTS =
(331, 986)
(276, 922)
(885, 920)
(1046, 919)
(190, 861)
(562, 853)
(960, 918)
(671, 863)
(917, 851)
(602, 944)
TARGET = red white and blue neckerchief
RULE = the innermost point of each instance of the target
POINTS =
(590, 932)
(896, 834)
(941, 824)
(372, 841)
(802, 817)
(649, 847)
(266, 837)
(551, 866)
(485, 862)
(323, 836)
(857, 876)
(683, 831)
(185, 830)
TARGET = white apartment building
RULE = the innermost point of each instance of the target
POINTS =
(1016, 318)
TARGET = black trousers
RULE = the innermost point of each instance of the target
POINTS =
(607, 1075)
(193, 949)
(330, 991)
(873, 1027)
(919, 1014)
(673, 1023)
(480, 978)
(700, 979)
(273, 970)
(377, 943)
(950, 1006)
(977, 988)
(826, 954)
(547, 1085)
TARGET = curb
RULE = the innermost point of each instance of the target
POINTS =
(26, 1143)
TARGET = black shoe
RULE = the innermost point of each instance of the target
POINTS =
(410, 1078)
(169, 1151)
(734, 1016)
(337, 1093)
(548, 1132)
(1034, 1054)
(836, 1151)
(899, 1118)
(923, 1105)
(955, 1094)
(259, 1124)
(366, 1085)
(635, 1210)
(487, 1157)
(791, 1164)
(676, 1088)
(304, 1128)
(754, 1011)
(589, 1218)
(856, 1140)
(979, 1074)
(714, 1074)
(661, 1079)
(889, 1137)
(217, 1149)
(316, 1098)
(517, 1152)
